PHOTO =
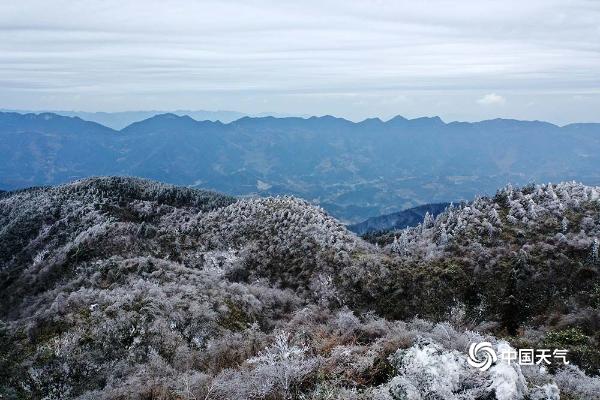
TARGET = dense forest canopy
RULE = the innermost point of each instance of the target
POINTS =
(122, 288)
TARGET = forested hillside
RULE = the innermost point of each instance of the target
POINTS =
(400, 220)
(353, 170)
(121, 288)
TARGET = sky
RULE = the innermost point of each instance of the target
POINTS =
(461, 60)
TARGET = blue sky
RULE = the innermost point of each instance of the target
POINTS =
(462, 60)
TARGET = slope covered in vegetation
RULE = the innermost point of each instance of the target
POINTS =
(121, 288)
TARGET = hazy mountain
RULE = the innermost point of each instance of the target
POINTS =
(116, 288)
(121, 119)
(400, 220)
(356, 170)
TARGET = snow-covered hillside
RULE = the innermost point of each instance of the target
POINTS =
(121, 288)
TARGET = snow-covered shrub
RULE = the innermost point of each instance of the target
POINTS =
(575, 383)
(428, 370)
(282, 365)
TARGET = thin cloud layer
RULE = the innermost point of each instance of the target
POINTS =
(350, 58)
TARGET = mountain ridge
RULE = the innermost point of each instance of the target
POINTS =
(358, 170)
(120, 119)
(395, 119)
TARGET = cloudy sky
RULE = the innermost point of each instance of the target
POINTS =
(461, 60)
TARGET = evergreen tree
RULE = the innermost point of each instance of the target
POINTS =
(428, 220)
(565, 225)
(594, 251)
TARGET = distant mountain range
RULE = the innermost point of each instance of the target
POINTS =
(119, 120)
(354, 170)
(399, 220)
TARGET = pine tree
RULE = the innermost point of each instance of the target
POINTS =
(594, 251)
(565, 225)
(443, 236)
(552, 193)
(428, 220)
(400, 244)
(512, 308)
(494, 218)
(395, 246)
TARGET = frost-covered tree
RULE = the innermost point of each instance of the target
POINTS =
(428, 220)
(564, 225)
(282, 365)
(594, 251)
(428, 370)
